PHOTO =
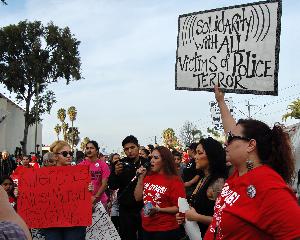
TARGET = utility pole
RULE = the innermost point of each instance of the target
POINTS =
(155, 141)
(249, 109)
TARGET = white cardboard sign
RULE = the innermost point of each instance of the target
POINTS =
(236, 48)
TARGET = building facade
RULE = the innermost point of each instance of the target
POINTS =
(12, 123)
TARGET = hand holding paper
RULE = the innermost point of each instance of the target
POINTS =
(191, 227)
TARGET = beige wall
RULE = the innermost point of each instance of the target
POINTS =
(12, 128)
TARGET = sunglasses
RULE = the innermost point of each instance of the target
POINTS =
(155, 156)
(66, 153)
(230, 137)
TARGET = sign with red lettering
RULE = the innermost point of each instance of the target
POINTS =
(235, 48)
(55, 197)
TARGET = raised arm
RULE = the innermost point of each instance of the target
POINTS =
(227, 119)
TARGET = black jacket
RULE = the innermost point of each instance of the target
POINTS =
(7, 166)
(125, 185)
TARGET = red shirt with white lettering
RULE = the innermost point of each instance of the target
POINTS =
(161, 191)
(257, 205)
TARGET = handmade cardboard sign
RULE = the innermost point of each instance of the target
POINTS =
(55, 197)
(236, 48)
(102, 227)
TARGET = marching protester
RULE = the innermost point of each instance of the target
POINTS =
(63, 157)
(34, 161)
(49, 160)
(144, 152)
(113, 206)
(160, 190)
(25, 165)
(122, 178)
(11, 224)
(190, 174)
(8, 185)
(180, 166)
(211, 159)
(7, 164)
(256, 201)
(99, 172)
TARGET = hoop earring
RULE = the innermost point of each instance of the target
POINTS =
(249, 165)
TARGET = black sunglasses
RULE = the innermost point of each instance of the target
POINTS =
(66, 153)
(230, 137)
(155, 156)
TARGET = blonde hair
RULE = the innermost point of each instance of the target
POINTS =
(58, 145)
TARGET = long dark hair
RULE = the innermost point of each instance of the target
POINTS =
(273, 146)
(169, 166)
(216, 156)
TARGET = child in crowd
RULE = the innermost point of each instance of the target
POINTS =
(8, 185)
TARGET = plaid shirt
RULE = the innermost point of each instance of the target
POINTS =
(11, 231)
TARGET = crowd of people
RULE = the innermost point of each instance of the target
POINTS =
(239, 190)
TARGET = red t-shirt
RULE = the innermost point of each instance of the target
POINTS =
(35, 165)
(18, 172)
(257, 205)
(162, 191)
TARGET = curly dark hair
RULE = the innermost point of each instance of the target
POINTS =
(273, 146)
(216, 156)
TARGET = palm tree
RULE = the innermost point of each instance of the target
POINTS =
(72, 113)
(73, 136)
(83, 143)
(294, 108)
(57, 130)
(61, 114)
(65, 128)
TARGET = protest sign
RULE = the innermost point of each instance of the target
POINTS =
(216, 114)
(37, 234)
(55, 197)
(236, 48)
(102, 227)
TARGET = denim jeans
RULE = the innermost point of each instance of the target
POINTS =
(65, 233)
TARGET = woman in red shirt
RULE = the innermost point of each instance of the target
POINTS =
(256, 201)
(160, 190)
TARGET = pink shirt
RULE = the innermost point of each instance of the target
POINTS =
(99, 170)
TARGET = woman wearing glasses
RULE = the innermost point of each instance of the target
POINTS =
(63, 157)
(256, 201)
(211, 159)
(160, 190)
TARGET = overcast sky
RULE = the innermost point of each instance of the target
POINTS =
(128, 53)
